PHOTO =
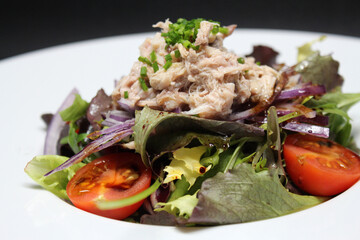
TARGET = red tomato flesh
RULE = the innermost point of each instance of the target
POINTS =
(320, 166)
(110, 177)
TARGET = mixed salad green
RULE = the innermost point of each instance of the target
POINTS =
(162, 167)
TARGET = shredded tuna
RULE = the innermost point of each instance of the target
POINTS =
(209, 82)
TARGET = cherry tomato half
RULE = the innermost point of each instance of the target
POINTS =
(110, 177)
(320, 166)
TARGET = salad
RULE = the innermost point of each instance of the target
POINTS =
(197, 135)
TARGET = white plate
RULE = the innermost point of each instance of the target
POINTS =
(37, 83)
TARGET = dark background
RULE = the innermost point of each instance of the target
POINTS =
(34, 24)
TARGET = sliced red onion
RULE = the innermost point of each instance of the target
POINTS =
(118, 127)
(242, 115)
(286, 108)
(116, 117)
(147, 206)
(308, 129)
(99, 144)
(317, 120)
(126, 105)
(56, 125)
(177, 110)
(283, 112)
(302, 92)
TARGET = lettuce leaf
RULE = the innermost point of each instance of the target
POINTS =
(306, 50)
(181, 207)
(55, 183)
(335, 105)
(317, 69)
(157, 132)
(321, 70)
(76, 110)
(186, 161)
(241, 195)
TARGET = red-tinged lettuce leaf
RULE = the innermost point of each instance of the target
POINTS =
(98, 107)
(157, 132)
(159, 218)
(241, 195)
(321, 70)
(263, 54)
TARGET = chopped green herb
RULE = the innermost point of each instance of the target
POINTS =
(215, 29)
(224, 30)
(186, 43)
(144, 60)
(177, 53)
(126, 94)
(153, 56)
(75, 111)
(241, 60)
(143, 72)
(168, 57)
(155, 67)
(185, 32)
(258, 63)
(195, 47)
(167, 65)
(143, 84)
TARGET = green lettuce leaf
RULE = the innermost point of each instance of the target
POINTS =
(335, 100)
(157, 132)
(335, 105)
(76, 110)
(55, 183)
(241, 195)
(306, 50)
(180, 207)
(186, 162)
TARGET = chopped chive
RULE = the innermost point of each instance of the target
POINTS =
(168, 57)
(195, 47)
(224, 30)
(113, 204)
(144, 60)
(258, 63)
(153, 56)
(241, 60)
(215, 29)
(185, 31)
(246, 71)
(167, 65)
(177, 53)
(126, 94)
(143, 84)
(155, 67)
(143, 71)
(186, 43)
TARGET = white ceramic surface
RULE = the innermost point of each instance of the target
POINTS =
(37, 82)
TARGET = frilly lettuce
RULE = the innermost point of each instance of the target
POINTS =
(55, 183)
(186, 161)
(181, 207)
(306, 50)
